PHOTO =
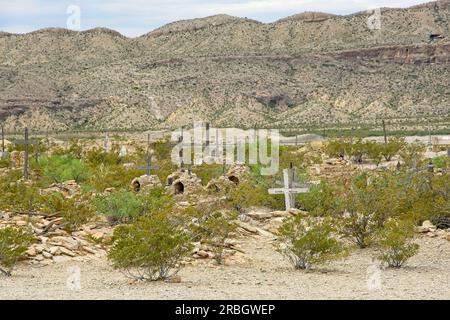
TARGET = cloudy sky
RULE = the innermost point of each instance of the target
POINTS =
(136, 17)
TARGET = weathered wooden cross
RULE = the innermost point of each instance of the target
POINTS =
(26, 143)
(148, 160)
(148, 167)
(289, 191)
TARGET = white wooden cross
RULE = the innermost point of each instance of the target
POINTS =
(288, 190)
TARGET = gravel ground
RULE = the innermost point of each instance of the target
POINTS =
(264, 275)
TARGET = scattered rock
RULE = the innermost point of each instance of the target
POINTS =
(68, 189)
(67, 252)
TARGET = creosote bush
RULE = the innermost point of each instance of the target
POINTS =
(60, 168)
(151, 248)
(75, 211)
(307, 242)
(119, 206)
(125, 206)
(396, 243)
(14, 242)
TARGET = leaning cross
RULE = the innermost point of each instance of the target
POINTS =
(148, 166)
(288, 190)
(26, 143)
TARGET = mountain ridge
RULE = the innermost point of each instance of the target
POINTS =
(235, 73)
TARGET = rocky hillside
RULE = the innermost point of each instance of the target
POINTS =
(308, 69)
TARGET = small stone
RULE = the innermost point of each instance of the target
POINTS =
(260, 215)
(67, 252)
(55, 251)
(47, 255)
(203, 254)
(39, 248)
(174, 279)
(21, 223)
(39, 258)
(89, 250)
(248, 227)
(32, 252)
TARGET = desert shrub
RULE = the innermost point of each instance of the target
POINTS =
(14, 242)
(98, 156)
(4, 163)
(338, 148)
(75, 211)
(151, 248)
(396, 244)
(375, 151)
(359, 149)
(63, 168)
(308, 242)
(19, 196)
(208, 172)
(155, 200)
(321, 200)
(364, 210)
(442, 162)
(120, 206)
(114, 176)
(247, 195)
(392, 148)
(216, 228)
(75, 148)
(412, 154)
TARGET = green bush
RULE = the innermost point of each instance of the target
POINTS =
(217, 228)
(98, 156)
(151, 248)
(111, 176)
(393, 147)
(248, 194)
(18, 196)
(156, 200)
(14, 242)
(321, 200)
(4, 163)
(60, 168)
(75, 211)
(412, 155)
(396, 244)
(120, 206)
(307, 242)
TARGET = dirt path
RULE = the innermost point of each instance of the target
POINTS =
(264, 276)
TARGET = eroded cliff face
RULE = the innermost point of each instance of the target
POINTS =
(412, 54)
(308, 69)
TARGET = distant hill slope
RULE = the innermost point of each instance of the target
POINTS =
(307, 69)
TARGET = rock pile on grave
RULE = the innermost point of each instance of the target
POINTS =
(221, 184)
(145, 183)
(184, 183)
(68, 189)
(53, 244)
(429, 229)
(237, 173)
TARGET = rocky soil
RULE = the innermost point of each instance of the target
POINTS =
(253, 269)
(260, 274)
